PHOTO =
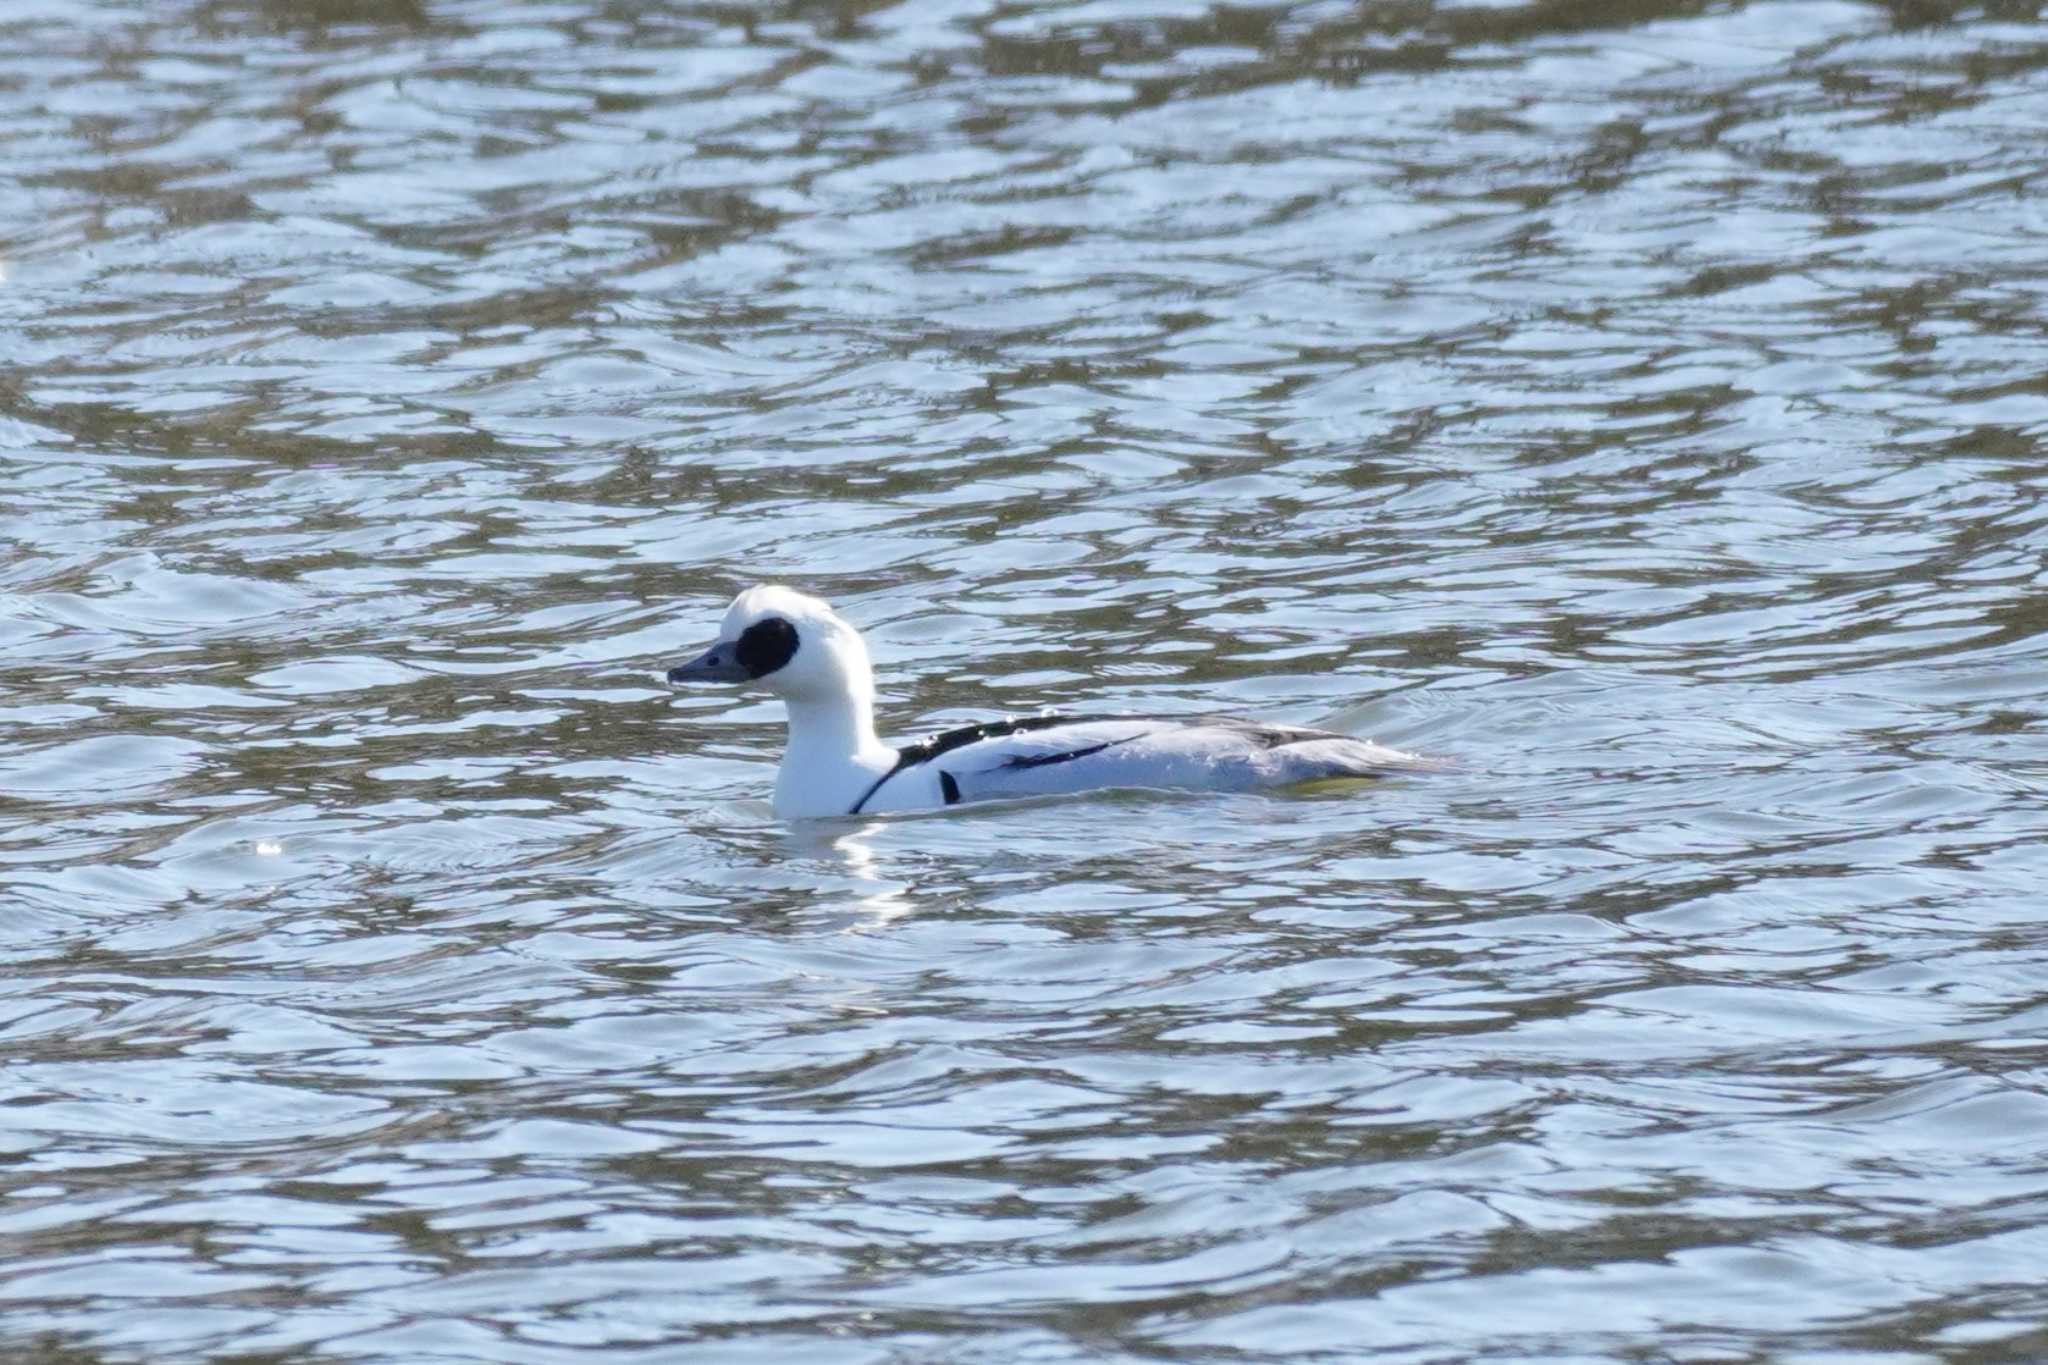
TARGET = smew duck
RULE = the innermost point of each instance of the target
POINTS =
(798, 648)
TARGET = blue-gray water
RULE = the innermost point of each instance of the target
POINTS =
(1639, 405)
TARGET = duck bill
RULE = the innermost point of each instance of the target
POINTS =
(720, 663)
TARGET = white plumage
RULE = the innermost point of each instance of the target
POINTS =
(798, 648)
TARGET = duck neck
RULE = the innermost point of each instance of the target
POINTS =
(831, 732)
(833, 756)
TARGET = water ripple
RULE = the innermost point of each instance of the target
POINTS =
(1639, 410)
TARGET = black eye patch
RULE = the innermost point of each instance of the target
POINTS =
(766, 646)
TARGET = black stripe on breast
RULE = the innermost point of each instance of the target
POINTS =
(925, 750)
(1041, 760)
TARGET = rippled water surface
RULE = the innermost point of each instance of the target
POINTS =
(1640, 406)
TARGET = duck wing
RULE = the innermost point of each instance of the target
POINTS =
(1048, 755)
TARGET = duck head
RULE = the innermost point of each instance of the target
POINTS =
(787, 643)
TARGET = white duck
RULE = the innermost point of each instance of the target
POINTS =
(798, 648)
